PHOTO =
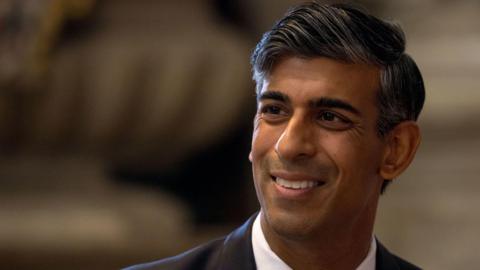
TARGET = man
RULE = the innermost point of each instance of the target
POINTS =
(337, 103)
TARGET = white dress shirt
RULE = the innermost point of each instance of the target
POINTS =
(266, 259)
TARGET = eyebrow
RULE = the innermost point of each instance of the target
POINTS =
(326, 102)
(275, 95)
(323, 102)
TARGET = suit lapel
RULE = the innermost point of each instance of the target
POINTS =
(385, 260)
(237, 252)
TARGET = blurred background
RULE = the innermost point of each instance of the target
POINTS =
(125, 128)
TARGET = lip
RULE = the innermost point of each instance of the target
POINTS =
(291, 193)
(294, 176)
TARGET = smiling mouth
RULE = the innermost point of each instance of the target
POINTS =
(297, 185)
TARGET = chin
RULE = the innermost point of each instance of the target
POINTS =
(288, 225)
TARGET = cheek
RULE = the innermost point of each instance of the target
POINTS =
(263, 140)
(353, 157)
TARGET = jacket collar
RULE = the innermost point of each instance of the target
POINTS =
(237, 252)
(384, 259)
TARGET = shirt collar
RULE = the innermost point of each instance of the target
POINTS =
(266, 259)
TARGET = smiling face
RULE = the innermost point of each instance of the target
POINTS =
(315, 149)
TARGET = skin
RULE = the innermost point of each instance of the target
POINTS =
(316, 121)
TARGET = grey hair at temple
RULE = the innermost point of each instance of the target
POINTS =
(346, 33)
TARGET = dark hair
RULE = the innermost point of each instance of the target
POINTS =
(346, 33)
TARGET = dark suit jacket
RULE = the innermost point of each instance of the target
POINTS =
(234, 252)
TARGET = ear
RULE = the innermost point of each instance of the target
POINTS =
(250, 156)
(402, 143)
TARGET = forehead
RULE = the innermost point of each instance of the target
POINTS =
(323, 77)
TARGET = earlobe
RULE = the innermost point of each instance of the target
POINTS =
(402, 144)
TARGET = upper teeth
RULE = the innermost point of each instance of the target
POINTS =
(295, 184)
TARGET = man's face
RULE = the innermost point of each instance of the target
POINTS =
(315, 149)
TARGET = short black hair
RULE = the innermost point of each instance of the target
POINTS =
(348, 33)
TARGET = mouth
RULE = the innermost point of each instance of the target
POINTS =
(297, 185)
(296, 188)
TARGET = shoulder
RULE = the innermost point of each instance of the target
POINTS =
(389, 261)
(233, 251)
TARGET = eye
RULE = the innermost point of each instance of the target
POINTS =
(271, 109)
(332, 120)
(272, 112)
(328, 116)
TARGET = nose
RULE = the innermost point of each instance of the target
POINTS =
(297, 140)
